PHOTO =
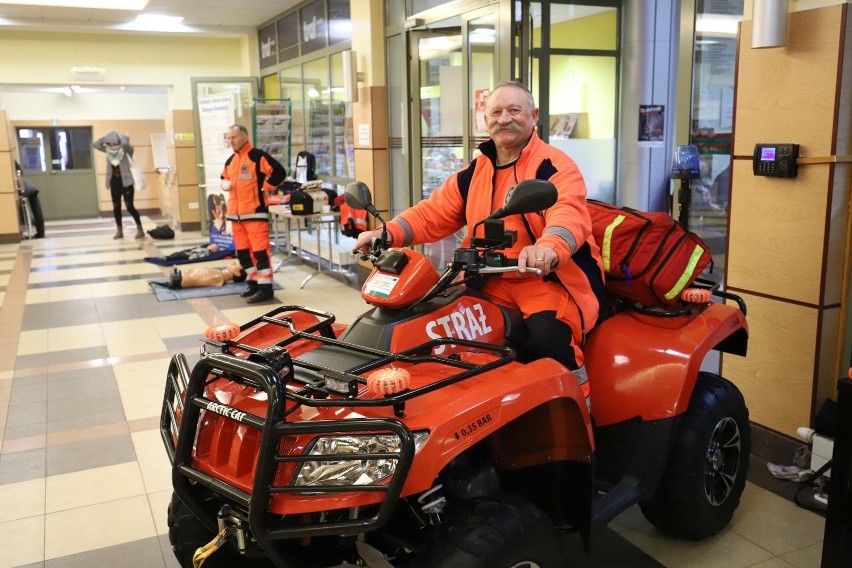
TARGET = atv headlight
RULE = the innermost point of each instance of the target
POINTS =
(353, 472)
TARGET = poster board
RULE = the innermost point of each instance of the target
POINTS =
(215, 114)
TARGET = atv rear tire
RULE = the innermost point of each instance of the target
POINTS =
(187, 533)
(707, 468)
(503, 532)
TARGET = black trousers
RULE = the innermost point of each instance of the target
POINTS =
(117, 190)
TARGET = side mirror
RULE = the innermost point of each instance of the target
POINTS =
(357, 196)
(527, 197)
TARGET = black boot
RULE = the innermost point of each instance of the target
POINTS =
(264, 294)
(251, 290)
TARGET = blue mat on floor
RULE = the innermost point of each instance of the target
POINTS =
(164, 294)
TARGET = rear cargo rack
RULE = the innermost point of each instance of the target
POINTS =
(272, 371)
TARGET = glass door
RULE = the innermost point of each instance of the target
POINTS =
(573, 72)
(454, 65)
(58, 161)
(482, 63)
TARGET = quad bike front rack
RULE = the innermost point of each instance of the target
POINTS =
(293, 382)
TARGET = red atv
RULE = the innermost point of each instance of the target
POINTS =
(420, 436)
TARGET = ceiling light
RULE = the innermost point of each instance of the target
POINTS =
(158, 19)
(156, 23)
(98, 4)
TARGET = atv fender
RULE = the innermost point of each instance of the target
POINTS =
(646, 366)
(530, 414)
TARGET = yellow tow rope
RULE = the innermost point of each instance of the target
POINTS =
(204, 552)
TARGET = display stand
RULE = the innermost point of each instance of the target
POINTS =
(272, 128)
(328, 123)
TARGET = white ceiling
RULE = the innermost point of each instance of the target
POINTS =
(211, 17)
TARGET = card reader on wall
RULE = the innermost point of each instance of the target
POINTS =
(776, 160)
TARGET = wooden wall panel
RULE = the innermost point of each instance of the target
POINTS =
(371, 167)
(371, 109)
(189, 215)
(789, 94)
(776, 377)
(8, 176)
(9, 225)
(180, 185)
(10, 230)
(180, 130)
(777, 230)
(185, 167)
(787, 236)
(371, 160)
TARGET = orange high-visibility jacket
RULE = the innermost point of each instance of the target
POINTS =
(467, 197)
(251, 171)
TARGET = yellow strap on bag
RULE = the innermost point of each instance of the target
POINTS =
(606, 246)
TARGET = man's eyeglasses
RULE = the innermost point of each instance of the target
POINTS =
(513, 111)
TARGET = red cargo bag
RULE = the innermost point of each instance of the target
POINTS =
(647, 257)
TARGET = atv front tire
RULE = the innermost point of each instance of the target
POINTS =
(707, 467)
(502, 532)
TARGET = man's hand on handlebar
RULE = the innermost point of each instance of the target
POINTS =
(543, 258)
(365, 241)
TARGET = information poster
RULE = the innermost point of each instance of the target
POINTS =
(651, 126)
(215, 115)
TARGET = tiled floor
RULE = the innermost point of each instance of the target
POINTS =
(84, 480)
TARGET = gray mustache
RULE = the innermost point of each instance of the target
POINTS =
(512, 127)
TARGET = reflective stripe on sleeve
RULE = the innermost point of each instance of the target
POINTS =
(406, 230)
(563, 234)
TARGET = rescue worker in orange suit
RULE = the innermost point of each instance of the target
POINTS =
(249, 173)
(562, 307)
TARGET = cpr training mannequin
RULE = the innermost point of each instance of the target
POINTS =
(199, 277)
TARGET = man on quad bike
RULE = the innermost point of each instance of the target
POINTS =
(418, 436)
(561, 309)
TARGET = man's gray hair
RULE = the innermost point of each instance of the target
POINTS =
(241, 128)
(518, 85)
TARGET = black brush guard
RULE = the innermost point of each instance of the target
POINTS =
(185, 390)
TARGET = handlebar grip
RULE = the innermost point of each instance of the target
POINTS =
(501, 269)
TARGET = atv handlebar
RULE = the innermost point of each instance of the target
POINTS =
(499, 269)
(454, 269)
